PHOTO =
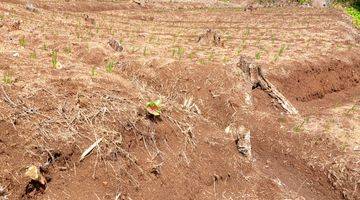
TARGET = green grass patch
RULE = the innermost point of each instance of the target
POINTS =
(354, 11)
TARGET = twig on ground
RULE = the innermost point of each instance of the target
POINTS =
(89, 149)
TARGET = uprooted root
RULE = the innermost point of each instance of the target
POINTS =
(255, 76)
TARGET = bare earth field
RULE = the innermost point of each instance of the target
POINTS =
(288, 77)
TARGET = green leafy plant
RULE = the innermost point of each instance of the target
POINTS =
(22, 41)
(154, 107)
(354, 11)
(7, 79)
(110, 66)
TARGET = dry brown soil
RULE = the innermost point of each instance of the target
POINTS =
(52, 114)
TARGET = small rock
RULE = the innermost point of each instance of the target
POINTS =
(115, 45)
(242, 139)
(30, 7)
(16, 25)
(140, 2)
(16, 54)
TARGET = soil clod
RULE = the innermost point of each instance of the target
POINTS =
(115, 45)
(31, 7)
(211, 37)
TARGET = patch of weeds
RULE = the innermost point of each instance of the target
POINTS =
(179, 52)
(257, 55)
(22, 41)
(354, 12)
(349, 111)
(304, 1)
(110, 66)
(33, 55)
(1, 17)
(299, 127)
(7, 79)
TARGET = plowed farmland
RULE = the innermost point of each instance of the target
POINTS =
(257, 102)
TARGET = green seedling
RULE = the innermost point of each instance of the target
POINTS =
(110, 66)
(281, 50)
(134, 49)
(192, 55)
(299, 127)
(211, 56)
(257, 55)
(154, 107)
(45, 48)
(22, 41)
(93, 72)
(33, 55)
(7, 79)
(145, 51)
(54, 60)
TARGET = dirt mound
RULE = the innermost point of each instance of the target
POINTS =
(316, 80)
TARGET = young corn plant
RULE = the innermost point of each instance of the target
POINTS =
(110, 66)
(7, 79)
(257, 55)
(22, 41)
(299, 127)
(145, 51)
(54, 60)
(280, 52)
(93, 72)
(33, 55)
